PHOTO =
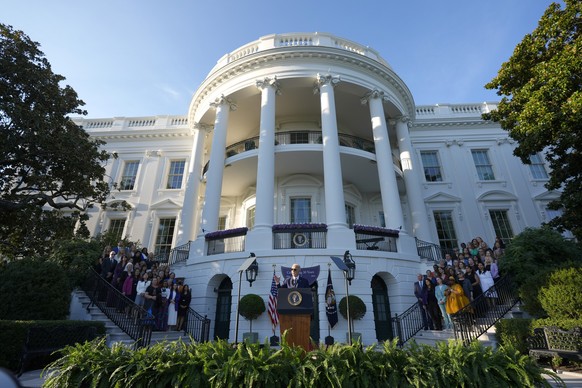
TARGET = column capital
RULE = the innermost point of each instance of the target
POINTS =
(375, 93)
(222, 100)
(326, 79)
(269, 82)
(203, 127)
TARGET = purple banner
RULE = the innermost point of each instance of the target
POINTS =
(309, 273)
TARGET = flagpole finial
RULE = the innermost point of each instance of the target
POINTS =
(328, 265)
(274, 266)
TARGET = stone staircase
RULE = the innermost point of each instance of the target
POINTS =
(114, 334)
(432, 337)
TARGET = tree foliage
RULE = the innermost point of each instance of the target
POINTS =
(51, 170)
(541, 85)
(562, 298)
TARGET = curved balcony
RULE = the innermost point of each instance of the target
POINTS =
(301, 137)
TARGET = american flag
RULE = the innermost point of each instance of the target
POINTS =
(273, 314)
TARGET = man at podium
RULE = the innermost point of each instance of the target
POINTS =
(295, 280)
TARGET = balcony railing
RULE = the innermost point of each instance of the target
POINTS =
(301, 137)
(226, 241)
(430, 251)
(299, 236)
(375, 238)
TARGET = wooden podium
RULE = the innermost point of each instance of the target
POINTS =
(295, 308)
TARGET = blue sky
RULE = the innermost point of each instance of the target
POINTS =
(147, 57)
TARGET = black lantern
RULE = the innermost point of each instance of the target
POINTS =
(252, 271)
(349, 262)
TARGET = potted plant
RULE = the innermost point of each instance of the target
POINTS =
(251, 307)
(357, 312)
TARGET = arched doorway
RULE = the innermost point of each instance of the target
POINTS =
(381, 305)
(223, 305)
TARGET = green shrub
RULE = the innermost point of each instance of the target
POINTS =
(13, 336)
(514, 332)
(535, 250)
(251, 306)
(562, 297)
(564, 324)
(75, 256)
(34, 290)
(219, 364)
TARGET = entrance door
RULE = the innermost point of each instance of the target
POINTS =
(381, 304)
(223, 305)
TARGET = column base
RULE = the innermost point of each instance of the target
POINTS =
(259, 239)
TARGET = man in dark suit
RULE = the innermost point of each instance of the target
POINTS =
(418, 290)
(295, 280)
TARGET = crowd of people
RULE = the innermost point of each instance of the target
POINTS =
(154, 287)
(461, 277)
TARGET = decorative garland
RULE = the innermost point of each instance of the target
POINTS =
(292, 227)
(375, 230)
(220, 234)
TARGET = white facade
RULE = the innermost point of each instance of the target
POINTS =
(297, 128)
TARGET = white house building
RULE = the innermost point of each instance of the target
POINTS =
(299, 137)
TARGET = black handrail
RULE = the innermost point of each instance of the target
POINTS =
(175, 255)
(406, 325)
(197, 326)
(431, 252)
(473, 320)
(129, 317)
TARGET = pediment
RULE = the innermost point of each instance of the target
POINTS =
(442, 197)
(166, 204)
(497, 195)
(116, 204)
(548, 196)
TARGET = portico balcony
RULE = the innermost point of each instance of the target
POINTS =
(302, 137)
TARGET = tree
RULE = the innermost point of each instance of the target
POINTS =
(51, 171)
(541, 105)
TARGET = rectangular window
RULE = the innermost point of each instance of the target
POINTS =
(129, 175)
(501, 225)
(116, 227)
(443, 220)
(432, 166)
(299, 137)
(165, 236)
(537, 167)
(222, 223)
(350, 215)
(483, 165)
(300, 210)
(251, 217)
(176, 174)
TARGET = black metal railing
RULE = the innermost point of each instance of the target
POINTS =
(431, 252)
(372, 242)
(406, 325)
(483, 312)
(226, 245)
(129, 317)
(197, 326)
(303, 137)
(300, 239)
(132, 319)
(175, 255)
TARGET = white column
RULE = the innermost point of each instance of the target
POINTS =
(388, 186)
(411, 172)
(266, 164)
(334, 189)
(188, 214)
(261, 237)
(211, 210)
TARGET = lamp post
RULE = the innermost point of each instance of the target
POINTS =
(251, 269)
(349, 274)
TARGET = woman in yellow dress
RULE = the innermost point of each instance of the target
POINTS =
(456, 298)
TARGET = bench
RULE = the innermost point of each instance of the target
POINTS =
(371, 243)
(44, 341)
(551, 341)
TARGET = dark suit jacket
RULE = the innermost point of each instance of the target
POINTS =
(301, 283)
(418, 290)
